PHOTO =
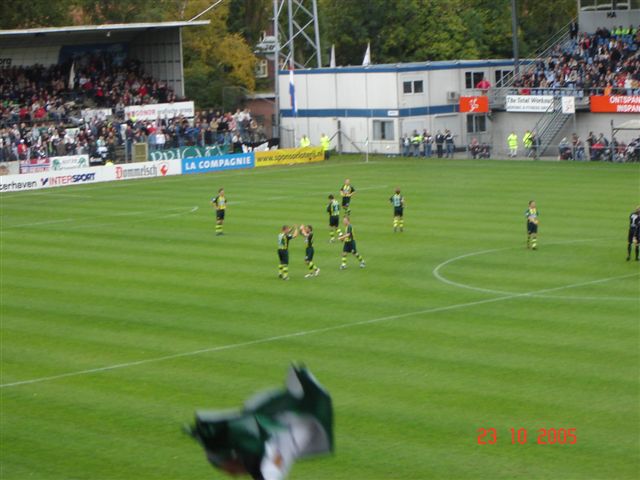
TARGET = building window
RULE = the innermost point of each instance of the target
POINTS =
(502, 75)
(415, 86)
(471, 79)
(476, 123)
(383, 130)
(262, 70)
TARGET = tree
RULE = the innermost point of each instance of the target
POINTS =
(214, 57)
(32, 13)
(249, 18)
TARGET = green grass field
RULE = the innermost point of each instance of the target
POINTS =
(122, 314)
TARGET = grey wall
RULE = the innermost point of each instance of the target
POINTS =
(503, 123)
(160, 54)
(589, 21)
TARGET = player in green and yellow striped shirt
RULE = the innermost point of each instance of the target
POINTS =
(397, 200)
(219, 202)
(307, 232)
(286, 234)
(349, 244)
(347, 191)
(333, 209)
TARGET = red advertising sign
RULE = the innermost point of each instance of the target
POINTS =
(615, 103)
(477, 104)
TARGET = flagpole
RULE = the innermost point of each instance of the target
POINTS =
(366, 62)
(294, 101)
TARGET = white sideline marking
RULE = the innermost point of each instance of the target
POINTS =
(303, 333)
(122, 214)
(206, 177)
(443, 279)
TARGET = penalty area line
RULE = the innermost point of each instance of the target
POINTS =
(302, 333)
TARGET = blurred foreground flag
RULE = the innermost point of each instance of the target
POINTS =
(274, 429)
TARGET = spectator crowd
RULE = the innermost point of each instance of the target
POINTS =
(41, 112)
(58, 92)
(100, 137)
(607, 61)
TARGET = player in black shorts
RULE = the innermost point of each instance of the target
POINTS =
(347, 191)
(333, 209)
(220, 204)
(349, 244)
(307, 233)
(397, 201)
(286, 234)
(532, 225)
(634, 233)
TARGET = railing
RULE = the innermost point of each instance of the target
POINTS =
(549, 125)
(498, 96)
(559, 38)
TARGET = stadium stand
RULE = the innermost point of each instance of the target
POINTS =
(38, 104)
(604, 62)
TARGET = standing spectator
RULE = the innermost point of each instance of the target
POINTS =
(483, 85)
(325, 141)
(439, 143)
(416, 140)
(527, 142)
(406, 145)
(129, 135)
(512, 143)
(22, 150)
(573, 29)
(534, 145)
(448, 138)
(591, 140)
(160, 139)
(428, 144)
(578, 147)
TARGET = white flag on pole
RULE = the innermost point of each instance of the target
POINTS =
(332, 62)
(367, 56)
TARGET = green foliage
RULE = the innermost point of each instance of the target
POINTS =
(221, 54)
(421, 30)
(541, 19)
(215, 55)
(32, 13)
(249, 18)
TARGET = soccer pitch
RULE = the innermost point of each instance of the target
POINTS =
(122, 314)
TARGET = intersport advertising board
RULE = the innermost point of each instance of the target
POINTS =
(51, 179)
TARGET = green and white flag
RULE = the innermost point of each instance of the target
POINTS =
(272, 431)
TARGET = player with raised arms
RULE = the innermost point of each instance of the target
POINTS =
(286, 234)
(307, 232)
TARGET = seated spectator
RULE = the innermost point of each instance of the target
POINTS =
(605, 61)
(564, 148)
(474, 147)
